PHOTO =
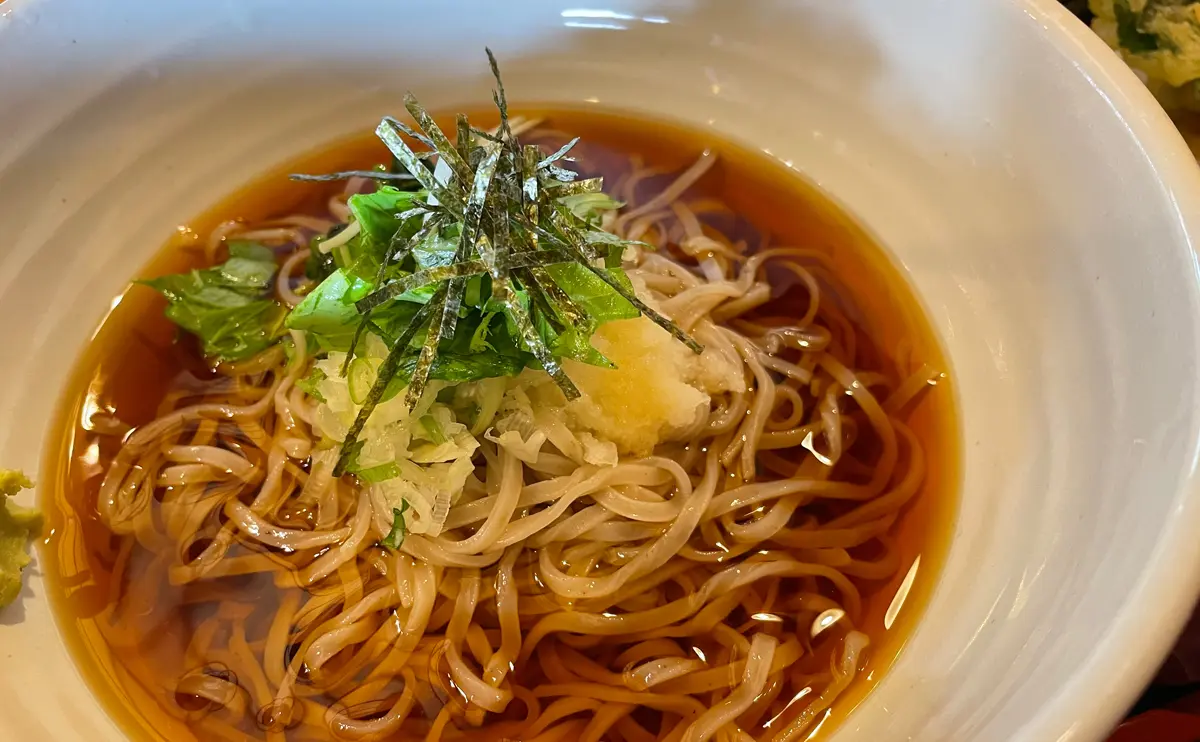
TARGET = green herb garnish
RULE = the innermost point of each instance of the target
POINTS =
(228, 307)
(487, 262)
(310, 384)
(433, 429)
(395, 538)
(494, 264)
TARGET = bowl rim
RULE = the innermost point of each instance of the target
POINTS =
(1089, 706)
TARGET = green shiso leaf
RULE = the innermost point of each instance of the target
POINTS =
(377, 214)
(227, 307)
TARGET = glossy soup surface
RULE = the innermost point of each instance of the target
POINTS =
(137, 359)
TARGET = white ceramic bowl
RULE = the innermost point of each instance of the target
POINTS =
(1041, 203)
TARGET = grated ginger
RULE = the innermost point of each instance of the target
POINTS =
(658, 391)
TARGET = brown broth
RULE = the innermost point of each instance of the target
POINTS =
(135, 359)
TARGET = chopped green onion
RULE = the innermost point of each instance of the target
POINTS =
(359, 379)
(433, 429)
(395, 538)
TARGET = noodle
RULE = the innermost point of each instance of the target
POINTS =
(674, 596)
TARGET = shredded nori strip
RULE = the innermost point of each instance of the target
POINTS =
(560, 154)
(561, 302)
(388, 132)
(506, 199)
(591, 185)
(641, 306)
(412, 133)
(433, 338)
(489, 136)
(398, 250)
(561, 174)
(436, 138)
(468, 269)
(500, 98)
(348, 174)
(474, 212)
(512, 305)
(387, 370)
(464, 141)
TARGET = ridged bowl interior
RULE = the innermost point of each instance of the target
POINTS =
(1040, 203)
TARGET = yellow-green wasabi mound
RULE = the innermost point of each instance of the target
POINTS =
(17, 525)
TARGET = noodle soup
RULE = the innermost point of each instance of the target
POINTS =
(757, 567)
